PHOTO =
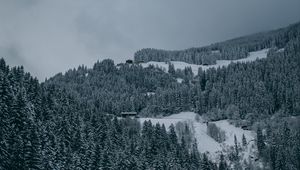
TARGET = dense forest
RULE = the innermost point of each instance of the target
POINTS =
(44, 127)
(229, 50)
(250, 91)
(72, 120)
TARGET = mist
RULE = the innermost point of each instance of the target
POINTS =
(48, 37)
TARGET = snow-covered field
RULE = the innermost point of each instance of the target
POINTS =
(220, 63)
(206, 144)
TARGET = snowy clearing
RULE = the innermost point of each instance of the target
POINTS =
(179, 80)
(220, 63)
(205, 142)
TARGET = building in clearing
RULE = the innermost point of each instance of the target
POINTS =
(129, 114)
(129, 61)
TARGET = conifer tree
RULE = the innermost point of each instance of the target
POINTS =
(244, 140)
(260, 141)
(205, 165)
(222, 164)
(5, 101)
(236, 148)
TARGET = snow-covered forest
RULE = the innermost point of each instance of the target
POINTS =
(244, 114)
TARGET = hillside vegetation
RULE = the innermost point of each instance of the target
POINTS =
(71, 121)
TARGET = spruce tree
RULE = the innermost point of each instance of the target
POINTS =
(222, 164)
(5, 105)
(236, 149)
(171, 69)
(244, 141)
(260, 141)
(33, 148)
(205, 165)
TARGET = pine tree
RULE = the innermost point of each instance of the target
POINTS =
(244, 141)
(205, 165)
(297, 149)
(222, 164)
(3, 67)
(195, 156)
(33, 148)
(236, 149)
(96, 158)
(260, 141)
(173, 136)
(106, 163)
(17, 139)
(5, 105)
(273, 152)
(171, 69)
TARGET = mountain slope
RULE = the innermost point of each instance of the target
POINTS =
(234, 49)
(206, 144)
(219, 63)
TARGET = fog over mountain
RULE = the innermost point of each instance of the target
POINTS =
(51, 36)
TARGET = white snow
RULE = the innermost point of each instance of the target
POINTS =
(219, 63)
(215, 52)
(205, 142)
(280, 50)
(179, 80)
(150, 93)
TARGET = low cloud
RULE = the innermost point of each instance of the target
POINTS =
(52, 36)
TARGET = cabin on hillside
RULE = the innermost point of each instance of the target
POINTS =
(129, 61)
(129, 114)
(245, 125)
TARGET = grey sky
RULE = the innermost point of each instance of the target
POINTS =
(54, 35)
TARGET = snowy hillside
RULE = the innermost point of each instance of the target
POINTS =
(220, 63)
(205, 142)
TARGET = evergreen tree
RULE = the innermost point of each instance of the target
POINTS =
(96, 158)
(260, 141)
(244, 141)
(222, 164)
(236, 148)
(171, 69)
(5, 101)
(106, 163)
(205, 165)
(33, 149)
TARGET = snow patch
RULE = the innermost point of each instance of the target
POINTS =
(215, 52)
(150, 93)
(280, 50)
(179, 80)
(219, 63)
(206, 144)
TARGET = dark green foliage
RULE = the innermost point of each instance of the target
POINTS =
(244, 140)
(229, 50)
(236, 149)
(222, 164)
(45, 127)
(251, 91)
(69, 121)
(282, 149)
(171, 69)
(260, 141)
(215, 132)
(206, 164)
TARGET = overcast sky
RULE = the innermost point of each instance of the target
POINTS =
(52, 36)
